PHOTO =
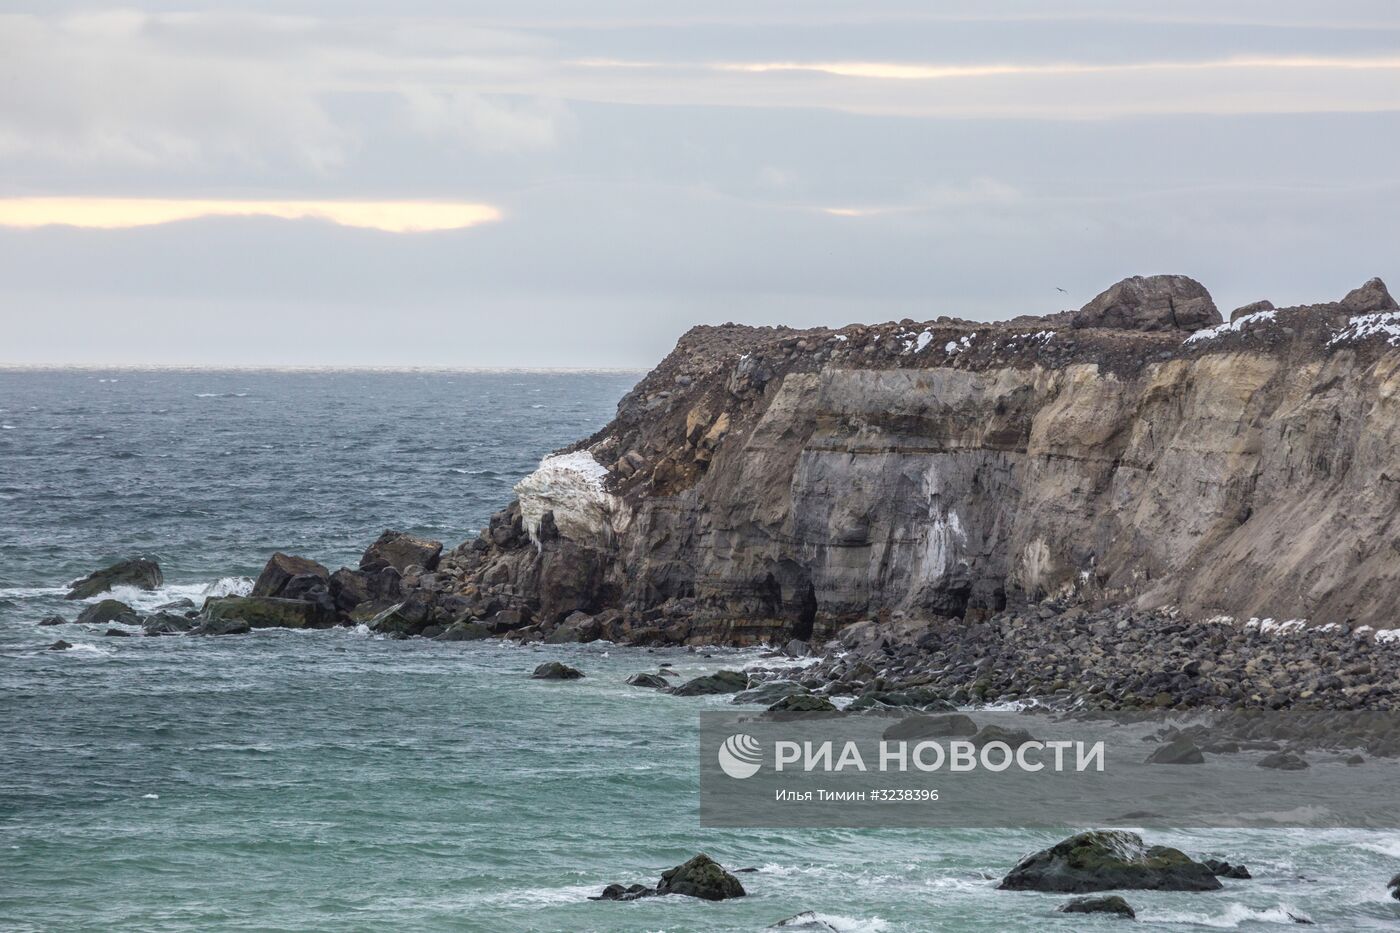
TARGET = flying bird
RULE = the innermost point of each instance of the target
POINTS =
(1061, 290)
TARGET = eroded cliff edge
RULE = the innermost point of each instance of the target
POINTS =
(768, 483)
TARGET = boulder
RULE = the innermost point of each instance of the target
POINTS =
(268, 612)
(1150, 303)
(1112, 904)
(652, 681)
(509, 620)
(167, 623)
(109, 610)
(403, 620)
(222, 627)
(53, 620)
(1179, 751)
(176, 605)
(576, 627)
(797, 648)
(1014, 738)
(401, 551)
(140, 572)
(465, 631)
(1370, 298)
(60, 645)
(711, 684)
(1102, 860)
(918, 728)
(555, 670)
(117, 633)
(375, 589)
(291, 577)
(1284, 761)
(769, 692)
(1254, 307)
(1394, 886)
(700, 877)
(617, 892)
(803, 703)
(920, 698)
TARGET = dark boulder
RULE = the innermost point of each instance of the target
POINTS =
(509, 620)
(1179, 751)
(268, 612)
(1394, 886)
(769, 692)
(1150, 303)
(920, 698)
(918, 728)
(401, 551)
(60, 645)
(711, 684)
(803, 703)
(370, 590)
(808, 921)
(1102, 860)
(1223, 869)
(651, 681)
(617, 892)
(402, 620)
(1284, 761)
(221, 627)
(1254, 307)
(167, 623)
(109, 610)
(177, 605)
(1014, 738)
(576, 627)
(465, 631)
(290, 577)
(700, 877)
(554, 670)
(140, 572)
(1370, 298)
(1112, 904)
(53, 620)
(117, 633)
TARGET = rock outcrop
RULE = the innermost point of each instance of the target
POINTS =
(1105, 860)
(139, 572)
(765, 484)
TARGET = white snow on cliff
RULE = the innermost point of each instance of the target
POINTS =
(1232, 327)
(1383, 324)
(571, 486)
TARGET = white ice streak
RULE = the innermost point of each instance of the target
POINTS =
(1232, 327)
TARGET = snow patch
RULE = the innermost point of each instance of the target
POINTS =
(957, 346)
(1385, 324)
(571, 486)
(1232, 327)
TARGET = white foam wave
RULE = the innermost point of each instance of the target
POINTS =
(1234, 916)
(816, 920)
(91, 651)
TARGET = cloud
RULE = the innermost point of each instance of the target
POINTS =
(898, 71)
(121, 213)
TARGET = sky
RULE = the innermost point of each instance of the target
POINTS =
(555, 184)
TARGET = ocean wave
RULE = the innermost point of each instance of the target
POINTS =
(221, 395)
(815, 919)
(89, 651)
(466, 472)
(1233, 916)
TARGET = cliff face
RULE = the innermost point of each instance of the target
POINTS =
(764, 483)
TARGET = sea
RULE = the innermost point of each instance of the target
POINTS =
(335, 780)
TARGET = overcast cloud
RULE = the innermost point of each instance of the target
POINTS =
(607, 181)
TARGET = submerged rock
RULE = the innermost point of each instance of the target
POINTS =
(555, 670)
(117, 633)
(1112, 904)
(652, 681)
(917, 728)
(1102, 860)
(167, 623)
(1179, 751)
(631, 892)
(60, 645)
(400, 550)
(109, 610)
(808, 920)
(700, 877)
(1394, 886)
(1014, 738)
(52, 620)
(139, 572)
(1284, 761)
(711, 684)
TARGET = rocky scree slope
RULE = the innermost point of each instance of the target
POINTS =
(769, 483)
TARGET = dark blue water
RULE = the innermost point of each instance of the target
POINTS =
(337, 781)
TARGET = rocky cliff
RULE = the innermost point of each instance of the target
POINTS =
(765, 483)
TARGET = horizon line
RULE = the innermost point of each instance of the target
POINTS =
(311, 368)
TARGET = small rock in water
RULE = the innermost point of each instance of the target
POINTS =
(1179, 751)
(1112, 904)
(700, 877)
(117, 633)
(1101, 860)
(222, 627)
(554, 670)
(60, 645)
(616, 892)
(1223, 869)
(710, 684)
(1394, 887)
(654, 681)
(109, 610)
(799, 703)
(139, 572)
(916, 728)
(1283, 761)
(53, 620)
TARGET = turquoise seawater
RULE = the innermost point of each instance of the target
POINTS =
(338, 781)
